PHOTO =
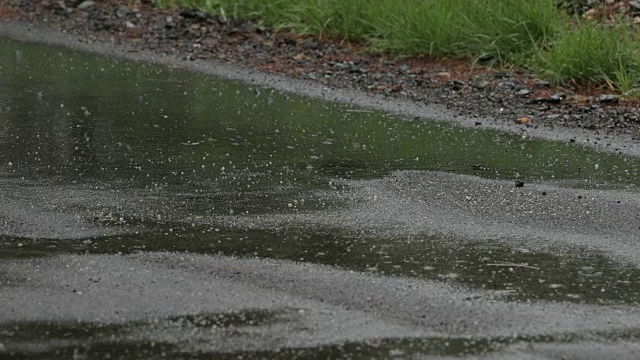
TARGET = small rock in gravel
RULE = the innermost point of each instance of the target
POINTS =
(395, 88)
(608, 99)
(542, 84)
(523, 92)
(260, 29)
(553, 99)
(289, 41)
(341, 66)
(480, 85)
(85, 5)
(168, 22)
(503, 75)
(508, 84)
(635, 5)
(457, 84)
(443, 75)
(122, 12)
(519, 183)
(232, 31)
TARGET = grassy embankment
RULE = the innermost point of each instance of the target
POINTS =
(536, 34)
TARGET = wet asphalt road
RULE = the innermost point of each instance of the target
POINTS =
(170, 215)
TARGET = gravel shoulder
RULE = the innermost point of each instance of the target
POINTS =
(442, 90)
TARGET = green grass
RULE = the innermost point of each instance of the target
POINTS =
(467, 28)
(594, 53)
(407, 27)
(535, 34)
(346, 19)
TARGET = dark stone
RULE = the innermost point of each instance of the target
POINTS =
(262, 29)
(486, 58)
(519, 183)
(457, 84)
(195, 14)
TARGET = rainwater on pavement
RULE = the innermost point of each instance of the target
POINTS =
(155, 213)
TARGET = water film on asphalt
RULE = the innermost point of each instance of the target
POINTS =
(150, 212)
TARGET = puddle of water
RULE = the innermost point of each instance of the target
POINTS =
(79, 118)
(218, 147)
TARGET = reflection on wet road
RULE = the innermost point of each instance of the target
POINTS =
(149, 212)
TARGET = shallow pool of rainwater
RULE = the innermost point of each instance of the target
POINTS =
(99, 156)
